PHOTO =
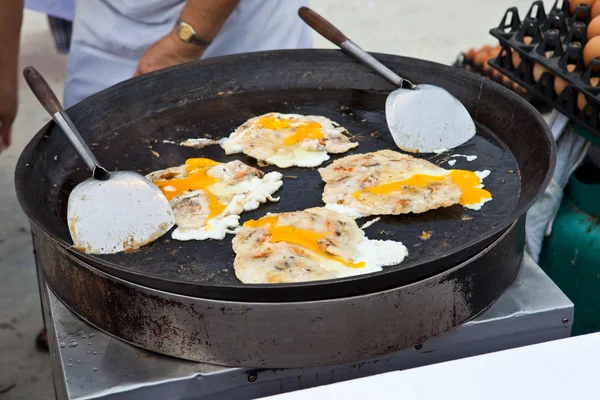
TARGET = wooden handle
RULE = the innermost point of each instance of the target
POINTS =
(321, 25)
(42, 90)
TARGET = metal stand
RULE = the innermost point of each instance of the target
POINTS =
(92, 365)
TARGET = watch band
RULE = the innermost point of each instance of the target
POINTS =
(187, 34)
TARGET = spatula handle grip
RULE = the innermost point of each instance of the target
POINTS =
(335, 36)
(49, 101)
(42, 90)
(322, 26)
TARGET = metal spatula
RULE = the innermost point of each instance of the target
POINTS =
(111, 211)
(421, 118)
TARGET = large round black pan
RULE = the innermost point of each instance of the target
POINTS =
(128, 123)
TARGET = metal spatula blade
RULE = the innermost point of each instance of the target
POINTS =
(421, 118)
(111, 211)
(121, 213)
(417, 121)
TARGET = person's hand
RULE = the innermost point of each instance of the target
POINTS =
(8, 108)
(11, 16)
(167, 52)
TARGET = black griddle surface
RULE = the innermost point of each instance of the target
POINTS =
(141, 148)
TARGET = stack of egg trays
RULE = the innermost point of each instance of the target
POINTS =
(556, 42)
(461, 62)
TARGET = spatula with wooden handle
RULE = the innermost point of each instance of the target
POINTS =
(421, 118)
(111, 211)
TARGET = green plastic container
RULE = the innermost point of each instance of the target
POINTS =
(571, 254)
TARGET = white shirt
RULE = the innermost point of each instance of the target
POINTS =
(64, 9)
(110, 36)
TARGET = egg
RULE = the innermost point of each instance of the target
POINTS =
(591, 50)
(387, 182)
(593, 28)
(207, 197)
(497, 75)
(538, 71)
(595, 9)
(287, 140)
(516, 59)
(581, 99)
(559, 85)
(495, 51)
(522, 90)
(481, 57)
(470, 55)
(472, 195)
(310, 245)
(198, 143)
(487, 70)
(574, 3)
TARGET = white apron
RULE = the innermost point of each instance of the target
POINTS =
(109, 36)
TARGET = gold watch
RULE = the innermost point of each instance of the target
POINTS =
(187, 34)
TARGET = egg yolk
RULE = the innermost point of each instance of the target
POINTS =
(273, 123)
(300, 237)
(466, 180)
(196, 179)
(308, 130)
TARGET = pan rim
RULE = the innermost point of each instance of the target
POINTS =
(108, 266)
(357, 297)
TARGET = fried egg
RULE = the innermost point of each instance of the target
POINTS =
(390, 183)
(287, 140)
(310, 245)
(207, 197)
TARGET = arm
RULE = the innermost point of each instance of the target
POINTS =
(11, 17)
(206, 16)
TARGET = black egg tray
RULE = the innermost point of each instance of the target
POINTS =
(461, 62)
(557, 42)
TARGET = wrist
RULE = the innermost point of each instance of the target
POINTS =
(207, 17)
(188, 50)
(8, 78)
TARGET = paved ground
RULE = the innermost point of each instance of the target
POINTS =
(20, 319)
(435, 30)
